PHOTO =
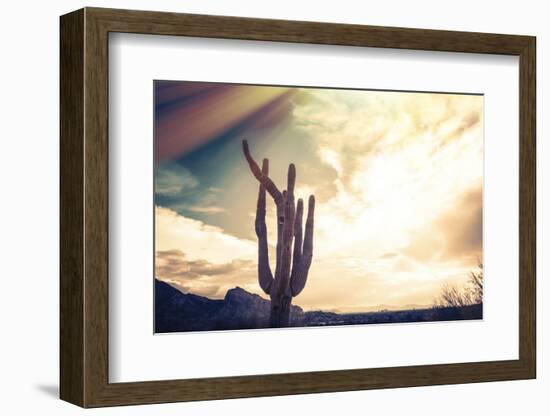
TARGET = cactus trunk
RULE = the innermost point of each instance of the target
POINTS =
(294, 256)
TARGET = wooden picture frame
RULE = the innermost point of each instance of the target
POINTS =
(84, 207)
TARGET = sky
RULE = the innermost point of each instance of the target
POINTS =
(397, 178)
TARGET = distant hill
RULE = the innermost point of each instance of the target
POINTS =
(177, 312)
(180, 312)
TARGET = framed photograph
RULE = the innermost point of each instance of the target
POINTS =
(257, 207)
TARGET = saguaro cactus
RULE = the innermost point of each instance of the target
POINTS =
(292, 266)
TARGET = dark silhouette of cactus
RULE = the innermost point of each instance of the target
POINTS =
(292, 266)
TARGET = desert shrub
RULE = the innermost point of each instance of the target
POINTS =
(470, 294)
(475, 284)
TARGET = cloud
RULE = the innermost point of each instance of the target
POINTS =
(388, 256)
(173, 264)
(202, 259)
(178, 189)
(172, 179)
(203, 277)
(199, 240)
(408, 174)
(207, 209)
(455, 235)
(400, 161)
(464, 226)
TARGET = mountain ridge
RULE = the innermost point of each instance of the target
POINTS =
(176, 311)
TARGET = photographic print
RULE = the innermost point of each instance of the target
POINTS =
(280, 206)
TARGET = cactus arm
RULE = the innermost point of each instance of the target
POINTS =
(299, 276)
(308, 240)
(297, 254)
(263, 179)
(265, 276)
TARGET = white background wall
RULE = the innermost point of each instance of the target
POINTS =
(29, 225)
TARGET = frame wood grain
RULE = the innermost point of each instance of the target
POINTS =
(84, 207)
